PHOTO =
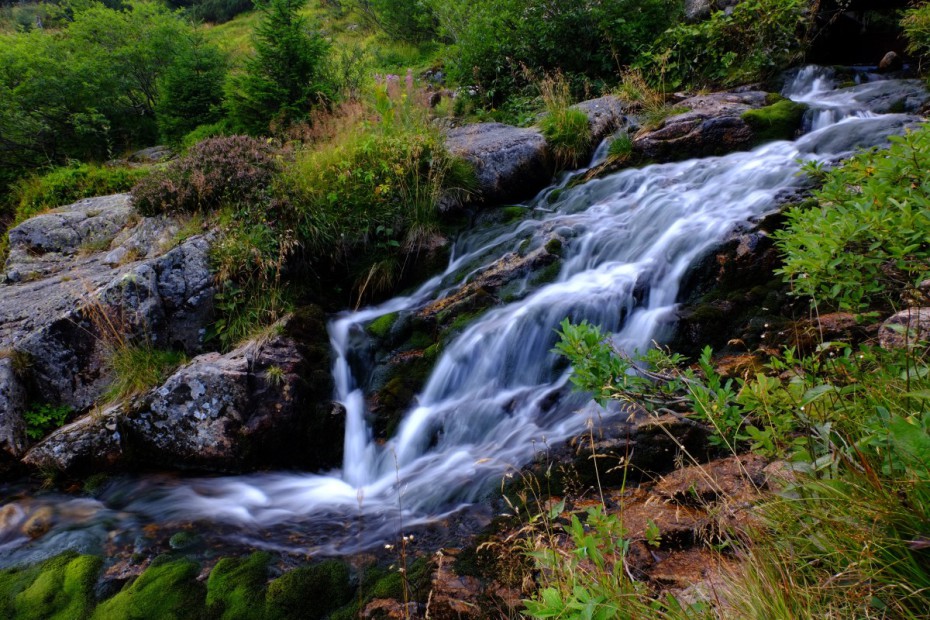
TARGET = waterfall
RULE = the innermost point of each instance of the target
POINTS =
(497, 392)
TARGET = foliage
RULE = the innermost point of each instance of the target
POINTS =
(566, 129)
(284, 78)
(750, 42)
(213, 11)
(138, 368)
(215, 172)
(41, 419)
(89, 90)
(916, 24)
(405, 20)
(191, 90)
(375, 185)
(34, 194)
(495, 40)
(865, 242)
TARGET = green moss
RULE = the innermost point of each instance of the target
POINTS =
(547, 274)
(419, 340)
(381, 327)
(514, 213)
(182, 540)
(778, 121)
(168, 590)
(236, 588)
(773, 98)
(554, 246)
(61, 588)
(311, 592)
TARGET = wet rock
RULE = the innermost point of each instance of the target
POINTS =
(511, 163)
(712, 124)
(391, 609)
(886, 96)
(736, 479)
(223, 412)
(39, 522)
(605, 116)
(455, 597)
(905, 329)
(890, 62)
(13, 440)
(699, 10)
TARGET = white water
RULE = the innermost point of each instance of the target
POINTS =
(496, 393)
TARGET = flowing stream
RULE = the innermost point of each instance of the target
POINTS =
(497, 393)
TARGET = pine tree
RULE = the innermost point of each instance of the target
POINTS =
(284, 79)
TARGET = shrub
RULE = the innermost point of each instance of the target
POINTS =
(216, 171)
(191, 90)
(405, 20)
(68, 184)
(41, 419)
(753, 41)
(567, 130)
(916, 24)
(865, 242)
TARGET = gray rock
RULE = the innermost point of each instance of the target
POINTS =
(712, 125)
(887, 96)
(699, 10)
(152, 155)
(88, 445)
(68, 300)
(45, 244)
(606, 115)
(222, 412)
(905, 329)
(13, 438)
(511, 163)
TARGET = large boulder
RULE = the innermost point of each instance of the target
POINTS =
(719, 123)
(906, 329)
(82, 280)
(223, 412)
(511, 163)
(605, 115)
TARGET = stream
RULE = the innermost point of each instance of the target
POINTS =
(497, 393)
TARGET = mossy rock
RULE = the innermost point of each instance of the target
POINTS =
(309, 593)
(61, 588)
(778, 121)
(237, 587)
(381, 327)
(167, 590)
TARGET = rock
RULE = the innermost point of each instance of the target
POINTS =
(43, 245)
(88, 445)
(67, 301)
(511, 163)
(223, 412)
(890, 62)
(454, 596)
(605, 115)
(699, 10)
(886, 96)
(735, 479)
(714, 124)
(905, 329)
(152, 155)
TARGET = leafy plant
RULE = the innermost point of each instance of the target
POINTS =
(43, 418)
(864, 241)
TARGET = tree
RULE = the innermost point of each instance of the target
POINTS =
(285, 77)
(191, 90)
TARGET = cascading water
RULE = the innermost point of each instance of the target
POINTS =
(497, 391)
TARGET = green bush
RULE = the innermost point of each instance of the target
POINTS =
(865, 242)
(405, 20)
(916, 24)
(41, 419)
(191, 90)
(567, 130)
(495, 41)
(62, 186)
(755, 40)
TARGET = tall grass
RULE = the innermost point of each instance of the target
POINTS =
(567, 130)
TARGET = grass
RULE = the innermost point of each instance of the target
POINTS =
(138, 368)
(566, 129)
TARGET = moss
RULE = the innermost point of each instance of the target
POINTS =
(182, 540)
(391, 585)
(322, 588)
(898, 107)
(61, 588)
(236, 588)
(778, 121)
(168, 590)
(554, 246)
(419, 340)
(381, 327)
(554, 196)
(773, 98)
(547, 274)
(514, 213)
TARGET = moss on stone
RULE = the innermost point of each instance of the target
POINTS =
(547, 274)
(237, 587)
(61, 588)
(514, 213)
(554, 246)
(778, 121)
(381, 327)
(168, 589)
(308, 593)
